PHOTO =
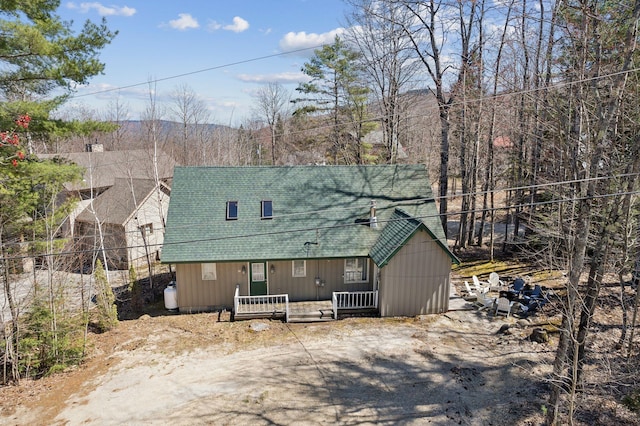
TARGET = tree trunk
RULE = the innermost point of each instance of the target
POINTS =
(444, 164)
(563, 352)
(10, 361)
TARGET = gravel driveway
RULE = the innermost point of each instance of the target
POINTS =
(438, 370)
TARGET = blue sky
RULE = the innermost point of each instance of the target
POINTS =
(212, 46)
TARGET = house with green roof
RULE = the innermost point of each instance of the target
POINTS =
(359, 236)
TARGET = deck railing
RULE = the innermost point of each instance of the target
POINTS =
(354, 300)
(261, 305)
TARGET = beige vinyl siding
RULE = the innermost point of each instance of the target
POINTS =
(416, 281)
(330, 272)
(196, 295)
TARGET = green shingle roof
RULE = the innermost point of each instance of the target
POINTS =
(318, 211)
(398, 230)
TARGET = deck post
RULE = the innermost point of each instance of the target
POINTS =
(286, 309)
(236, 299)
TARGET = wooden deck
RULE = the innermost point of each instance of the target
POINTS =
(279, 306)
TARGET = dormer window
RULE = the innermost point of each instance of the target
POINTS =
(267, 209)
(232, 210)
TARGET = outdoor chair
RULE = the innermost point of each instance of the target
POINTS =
(483, 302)
(495, 281)
(517, 287)
(503, 306)
(481, 286)
(531, 306)
(470, 292)
(535, 293)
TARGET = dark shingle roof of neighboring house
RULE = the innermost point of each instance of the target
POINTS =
(101, 168)
(117, 204)
(318, 211)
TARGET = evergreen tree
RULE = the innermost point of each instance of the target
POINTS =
(40, 53)
(337, 89)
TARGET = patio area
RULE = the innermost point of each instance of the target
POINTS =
(506, 298)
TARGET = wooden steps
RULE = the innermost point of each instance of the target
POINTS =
(312, 315)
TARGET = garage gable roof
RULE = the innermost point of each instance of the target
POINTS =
(397, 232)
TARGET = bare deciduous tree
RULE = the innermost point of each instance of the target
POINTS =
(193, 116)
(429, 34)
(117, 112)
(377, 29)
(272, 102)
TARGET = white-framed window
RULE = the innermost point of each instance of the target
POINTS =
(266, 209)
(299, 268)
(356, 269)
(209, 272)
(257, 272)
(146, 230)
(232, 210)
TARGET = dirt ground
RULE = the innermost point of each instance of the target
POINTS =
(461, 367)
(193, 369)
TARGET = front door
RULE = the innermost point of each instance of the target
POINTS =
(258, 279)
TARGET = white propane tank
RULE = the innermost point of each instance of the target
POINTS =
(171, 297)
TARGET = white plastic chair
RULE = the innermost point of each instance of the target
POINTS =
(481, 286)
(484, 302)
(470, 292)
(503, 306)
(495, 281)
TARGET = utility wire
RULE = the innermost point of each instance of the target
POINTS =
(317, 228)
(383, 205)
(217, 67)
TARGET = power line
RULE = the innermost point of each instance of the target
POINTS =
(217, 67)
(320, 228)
(431, 108)
(382, 205)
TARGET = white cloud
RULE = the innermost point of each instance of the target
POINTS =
(284, 77)
(301, 40)
(102, 10)
(213, 26)
(184, 22)
(239, 25)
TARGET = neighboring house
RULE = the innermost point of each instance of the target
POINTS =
(101, 168)
(116, 185)
(129, 218)
(376, 140)
(309, 233)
